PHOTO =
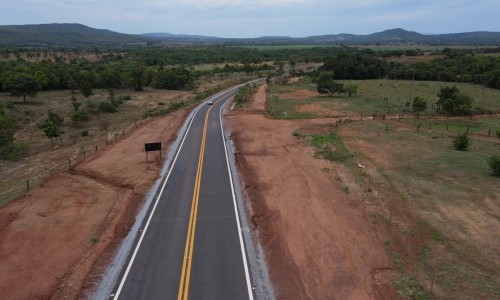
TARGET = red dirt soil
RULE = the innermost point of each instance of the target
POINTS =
(319, 244)
(51, 238)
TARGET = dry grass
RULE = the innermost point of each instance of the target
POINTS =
(439, 207)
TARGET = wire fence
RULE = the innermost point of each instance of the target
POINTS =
(66, 163)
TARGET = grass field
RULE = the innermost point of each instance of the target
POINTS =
(439, 206)
(451, 195)
(377, 96)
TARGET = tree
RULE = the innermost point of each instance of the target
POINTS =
(173, 79)
(419, 105)
(494, 163)
(86, 81)
(77, 114)
(7, 128)
(21, 84)
(50, 126)
(137, 76)
(110, 78)
(461, 142)
(330, 87)
(351, 89)
(55, 118)
(76, 104)
(41, 79)
(454, 102)
(53, 131)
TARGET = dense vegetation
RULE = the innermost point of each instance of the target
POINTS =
(455, 66)
(139, 67)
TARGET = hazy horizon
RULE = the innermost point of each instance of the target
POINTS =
(248, 19)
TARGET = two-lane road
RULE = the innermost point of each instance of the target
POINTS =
(191, 245)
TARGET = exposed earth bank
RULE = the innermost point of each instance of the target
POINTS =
(318, 240)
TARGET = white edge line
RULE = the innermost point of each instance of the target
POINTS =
(243, 252)
(117, 294)
(129, 266)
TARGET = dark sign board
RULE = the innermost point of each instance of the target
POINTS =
(152, 147)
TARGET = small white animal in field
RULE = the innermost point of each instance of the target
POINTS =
(361, 166)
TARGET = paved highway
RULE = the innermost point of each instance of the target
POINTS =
(191, 245)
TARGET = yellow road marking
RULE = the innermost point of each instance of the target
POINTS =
(188, 250)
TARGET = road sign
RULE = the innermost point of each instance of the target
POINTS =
(152, 147)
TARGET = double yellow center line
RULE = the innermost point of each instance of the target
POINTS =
(188, 251)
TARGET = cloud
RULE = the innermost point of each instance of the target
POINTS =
(249, 18)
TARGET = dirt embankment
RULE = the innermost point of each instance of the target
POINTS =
(52, 237)
(318, 241)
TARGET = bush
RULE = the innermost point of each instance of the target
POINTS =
(80, 115)
(494, 163)
(164, 111)
(461, 142)
(498, 133)
(84, 133)
(127, 97)
(107, 107)
(12, 152)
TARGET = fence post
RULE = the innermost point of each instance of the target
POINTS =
(390, 212)
(123, 132)
(489, 132)
(83, 154)
(467, 129)
(69, 164)
(432, 279)
(95, 148)
(28, 185)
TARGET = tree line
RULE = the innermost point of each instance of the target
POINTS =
(454, 66)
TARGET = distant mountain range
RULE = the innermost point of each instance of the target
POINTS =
(77, 35)
(63, 35)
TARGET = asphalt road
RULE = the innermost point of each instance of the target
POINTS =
(191, 247)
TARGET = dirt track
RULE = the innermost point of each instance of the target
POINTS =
(319, 242)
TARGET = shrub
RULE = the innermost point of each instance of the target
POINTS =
(127, 97)
(12, 152)
(461, 142)
(84, 133)
(107, 107)
(498, 133)
(494, 163)
(80, 115)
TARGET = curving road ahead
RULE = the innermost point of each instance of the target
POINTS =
(191, 245)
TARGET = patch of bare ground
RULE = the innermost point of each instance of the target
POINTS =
(298, 94)
(59, 237)
(318, 240)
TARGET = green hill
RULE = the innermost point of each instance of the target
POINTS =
(63, 35)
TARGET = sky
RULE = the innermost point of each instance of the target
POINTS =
(255, 18)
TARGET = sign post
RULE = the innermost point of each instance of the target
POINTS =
(152, 147)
